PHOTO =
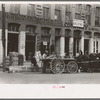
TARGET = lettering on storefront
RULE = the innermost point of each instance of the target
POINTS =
(33, 19)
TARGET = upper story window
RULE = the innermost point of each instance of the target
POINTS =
(15, 8)
(78, 7)
(88, 8)
(97, 21)
(58, 14)
(68, 7)
(57, 6)
(77, 16)
(88, 18)
(97, 12)
(31, 10)
(46, 13)
(30, 28)
(67, 16)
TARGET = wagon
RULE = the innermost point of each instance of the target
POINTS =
(60, 65)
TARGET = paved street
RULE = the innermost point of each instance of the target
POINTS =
(49, 78)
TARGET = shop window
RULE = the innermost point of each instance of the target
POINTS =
(46, 13)
(77, 16)
(31, 10)
(94, 46)
(13, 27)
(58, 14)
(15, 8)
(30, 29)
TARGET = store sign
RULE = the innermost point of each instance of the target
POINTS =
(39, 10)
(35, 20)
(44, 43)
(78, 23)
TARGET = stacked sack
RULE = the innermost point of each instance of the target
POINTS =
(13, 58)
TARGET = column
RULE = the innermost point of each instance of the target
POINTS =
(91, 43)
(6, 36)
(22, 38)
(82, 42)
(52, 12)
(62, 46)
(1, 47)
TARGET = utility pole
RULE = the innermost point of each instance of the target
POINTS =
(3, 29)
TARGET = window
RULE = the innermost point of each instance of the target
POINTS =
(77, 16)
(15, 8)
(46, 13)
(88, 18)
(30, 29)
(45, 31)
(97, 19)
(67, 16)
(88, 8)
(58, 14)
(57, 32)
(13, 27)
(31, 10)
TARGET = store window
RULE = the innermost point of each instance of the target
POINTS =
(77, 46)
(46, 13)
(31, 10)
(15, 8)
(13, 27)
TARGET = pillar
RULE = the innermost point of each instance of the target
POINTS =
(82, 42)
(62, 46)
(6, 38)
(22, 38)
(71, 44)
(1, 47)
(91, 43)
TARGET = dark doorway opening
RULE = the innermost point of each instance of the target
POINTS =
(67, 45)
(86, 45)
(12, 42)
(30, 47)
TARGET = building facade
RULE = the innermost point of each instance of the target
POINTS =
(59, 28)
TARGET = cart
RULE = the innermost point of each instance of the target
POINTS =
(58, 65)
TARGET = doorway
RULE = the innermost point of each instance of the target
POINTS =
(86, 45)
(67, 45)
(30, 47)
(12, 43)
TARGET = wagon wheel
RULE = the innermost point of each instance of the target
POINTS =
(57, 66)
(72, 67)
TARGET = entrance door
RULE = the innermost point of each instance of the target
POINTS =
(67, 45)
(86, 45)
(76, 46)
(30, 47)
(12, 42)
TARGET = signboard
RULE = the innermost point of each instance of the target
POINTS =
(44, 43)
(39, 10)
(78, 23)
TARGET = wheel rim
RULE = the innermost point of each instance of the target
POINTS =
(57, 66)
(72, 67)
